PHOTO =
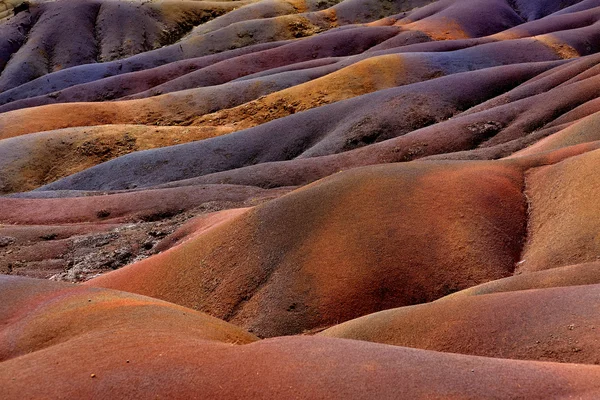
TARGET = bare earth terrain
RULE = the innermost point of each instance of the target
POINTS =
(299, 199)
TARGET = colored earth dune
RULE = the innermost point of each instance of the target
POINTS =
(299, 199)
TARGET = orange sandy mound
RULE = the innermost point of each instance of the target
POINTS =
(563, 225)
(39, 314)
(555, 324)
(583, 131)
(571, 275)
(69, 341)
(95, 366)
(198, 226)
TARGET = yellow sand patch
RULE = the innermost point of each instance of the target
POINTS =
(440, 29)
(68, 151)
(299, 5)
(511, 34)
(562, 49)
(364, 77)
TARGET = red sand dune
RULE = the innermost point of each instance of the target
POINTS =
(571, 275)
(354, 243)
(563, 225)
(42, 314)
(552, 324)
(130, 346)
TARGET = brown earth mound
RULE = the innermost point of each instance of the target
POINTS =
(359, 241)
(99, 343)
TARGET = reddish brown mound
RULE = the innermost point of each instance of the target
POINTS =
(95, 365)
(583, 131)
(563, 225)
(354, 243)
(75, 238)
(571, 275)
(556, 324)
(145, 205)
(69, 341)
(79, 251)
(39, 314)
(198, 226)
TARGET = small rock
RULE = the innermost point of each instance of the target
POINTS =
(6, 240)
(103, 213)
